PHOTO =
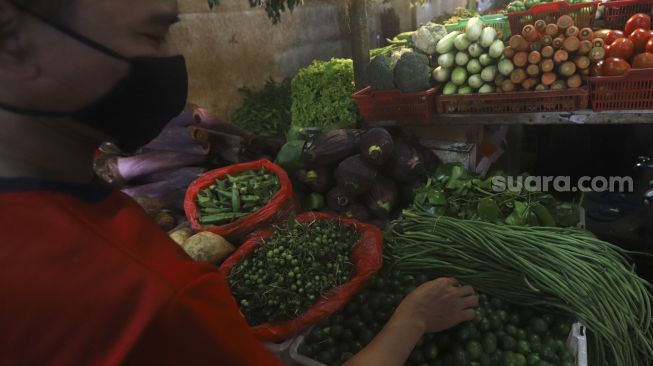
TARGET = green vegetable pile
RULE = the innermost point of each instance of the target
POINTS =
(565, 270)
(292, 269)
(500, 334)
(321, 95)
(458, 15)
(265, 112)
(231, 198)
(453, 191)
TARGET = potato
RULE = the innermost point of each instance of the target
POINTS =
(208, 247)
(181, 235)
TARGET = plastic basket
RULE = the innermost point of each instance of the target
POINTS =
(497, 21)
(631, 91)
(583, 14)
(577, 343)
(514, 102)
(393, 104)
(617, 13)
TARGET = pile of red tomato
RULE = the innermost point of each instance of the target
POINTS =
(630, 48)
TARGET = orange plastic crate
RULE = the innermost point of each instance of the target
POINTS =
(514, 102)
(393, 104)
(583, 14)
(631, 91)
(617, 13)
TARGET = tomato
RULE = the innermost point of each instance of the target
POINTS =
(621, 48)
(643, 61)
(595, 69)
(614, 67)
(640, 37)
(613, 36)
(649, 45)
(640, 20)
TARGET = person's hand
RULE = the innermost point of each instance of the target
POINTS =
(438, 305)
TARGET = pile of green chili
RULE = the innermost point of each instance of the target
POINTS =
(563, 270)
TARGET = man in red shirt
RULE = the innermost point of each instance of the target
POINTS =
(85, 277)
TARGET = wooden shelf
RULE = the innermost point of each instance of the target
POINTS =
(584, 117)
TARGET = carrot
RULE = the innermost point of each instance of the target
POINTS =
(547, 52)
(547, 65)
(509, 52)
(547, 40)
(540, 25)
(520, 59)
(586, 34)
(585, 47)
(508, 86)
(582, 62)
(572, 31)
(598, 42)
(571, 44)
(597, 54)
(533, 70)
(524, 45)
(536, 46)
(567, 68)
(552, 30)
(565, 22)
(534, 57)
(515, 41)
(499, 80)
(529, 84)
(585, 72)
(559, 85)
(517, 76)
(574, 81)
(548, 78)
(560, 56)
(558, 42)
(529, 33)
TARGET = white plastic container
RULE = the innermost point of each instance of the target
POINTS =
(577, 342)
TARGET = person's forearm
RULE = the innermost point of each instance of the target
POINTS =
(392, 346)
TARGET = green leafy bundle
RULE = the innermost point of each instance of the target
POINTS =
(454, 192)
(265, 112)
(321, 95)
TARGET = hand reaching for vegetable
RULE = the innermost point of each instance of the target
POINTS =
(439, 305)
(433, 307)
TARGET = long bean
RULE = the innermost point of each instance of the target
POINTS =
(565, 270)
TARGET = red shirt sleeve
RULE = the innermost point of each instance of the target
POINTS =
(201, 325)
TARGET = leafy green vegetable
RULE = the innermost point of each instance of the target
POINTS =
(453, 191)
(265, 112)
(321, 95)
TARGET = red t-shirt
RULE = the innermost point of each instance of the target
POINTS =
(86, 278)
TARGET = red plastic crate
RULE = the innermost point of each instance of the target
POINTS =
(617, 13)
(514, 102)
(633, 90)
(393, 104)
(583, 14)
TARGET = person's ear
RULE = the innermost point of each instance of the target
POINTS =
(14, 47)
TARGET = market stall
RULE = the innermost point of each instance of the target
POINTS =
(323, 211)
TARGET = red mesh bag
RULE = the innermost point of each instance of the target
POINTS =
(366, 257)
(277, 209)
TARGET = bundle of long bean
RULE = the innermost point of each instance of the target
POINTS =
(564, 270)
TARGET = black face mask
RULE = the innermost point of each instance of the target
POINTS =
(139, 106)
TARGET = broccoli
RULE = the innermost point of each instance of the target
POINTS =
(413, 73)
(428, 36)
(396, 55)
(379, 70)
